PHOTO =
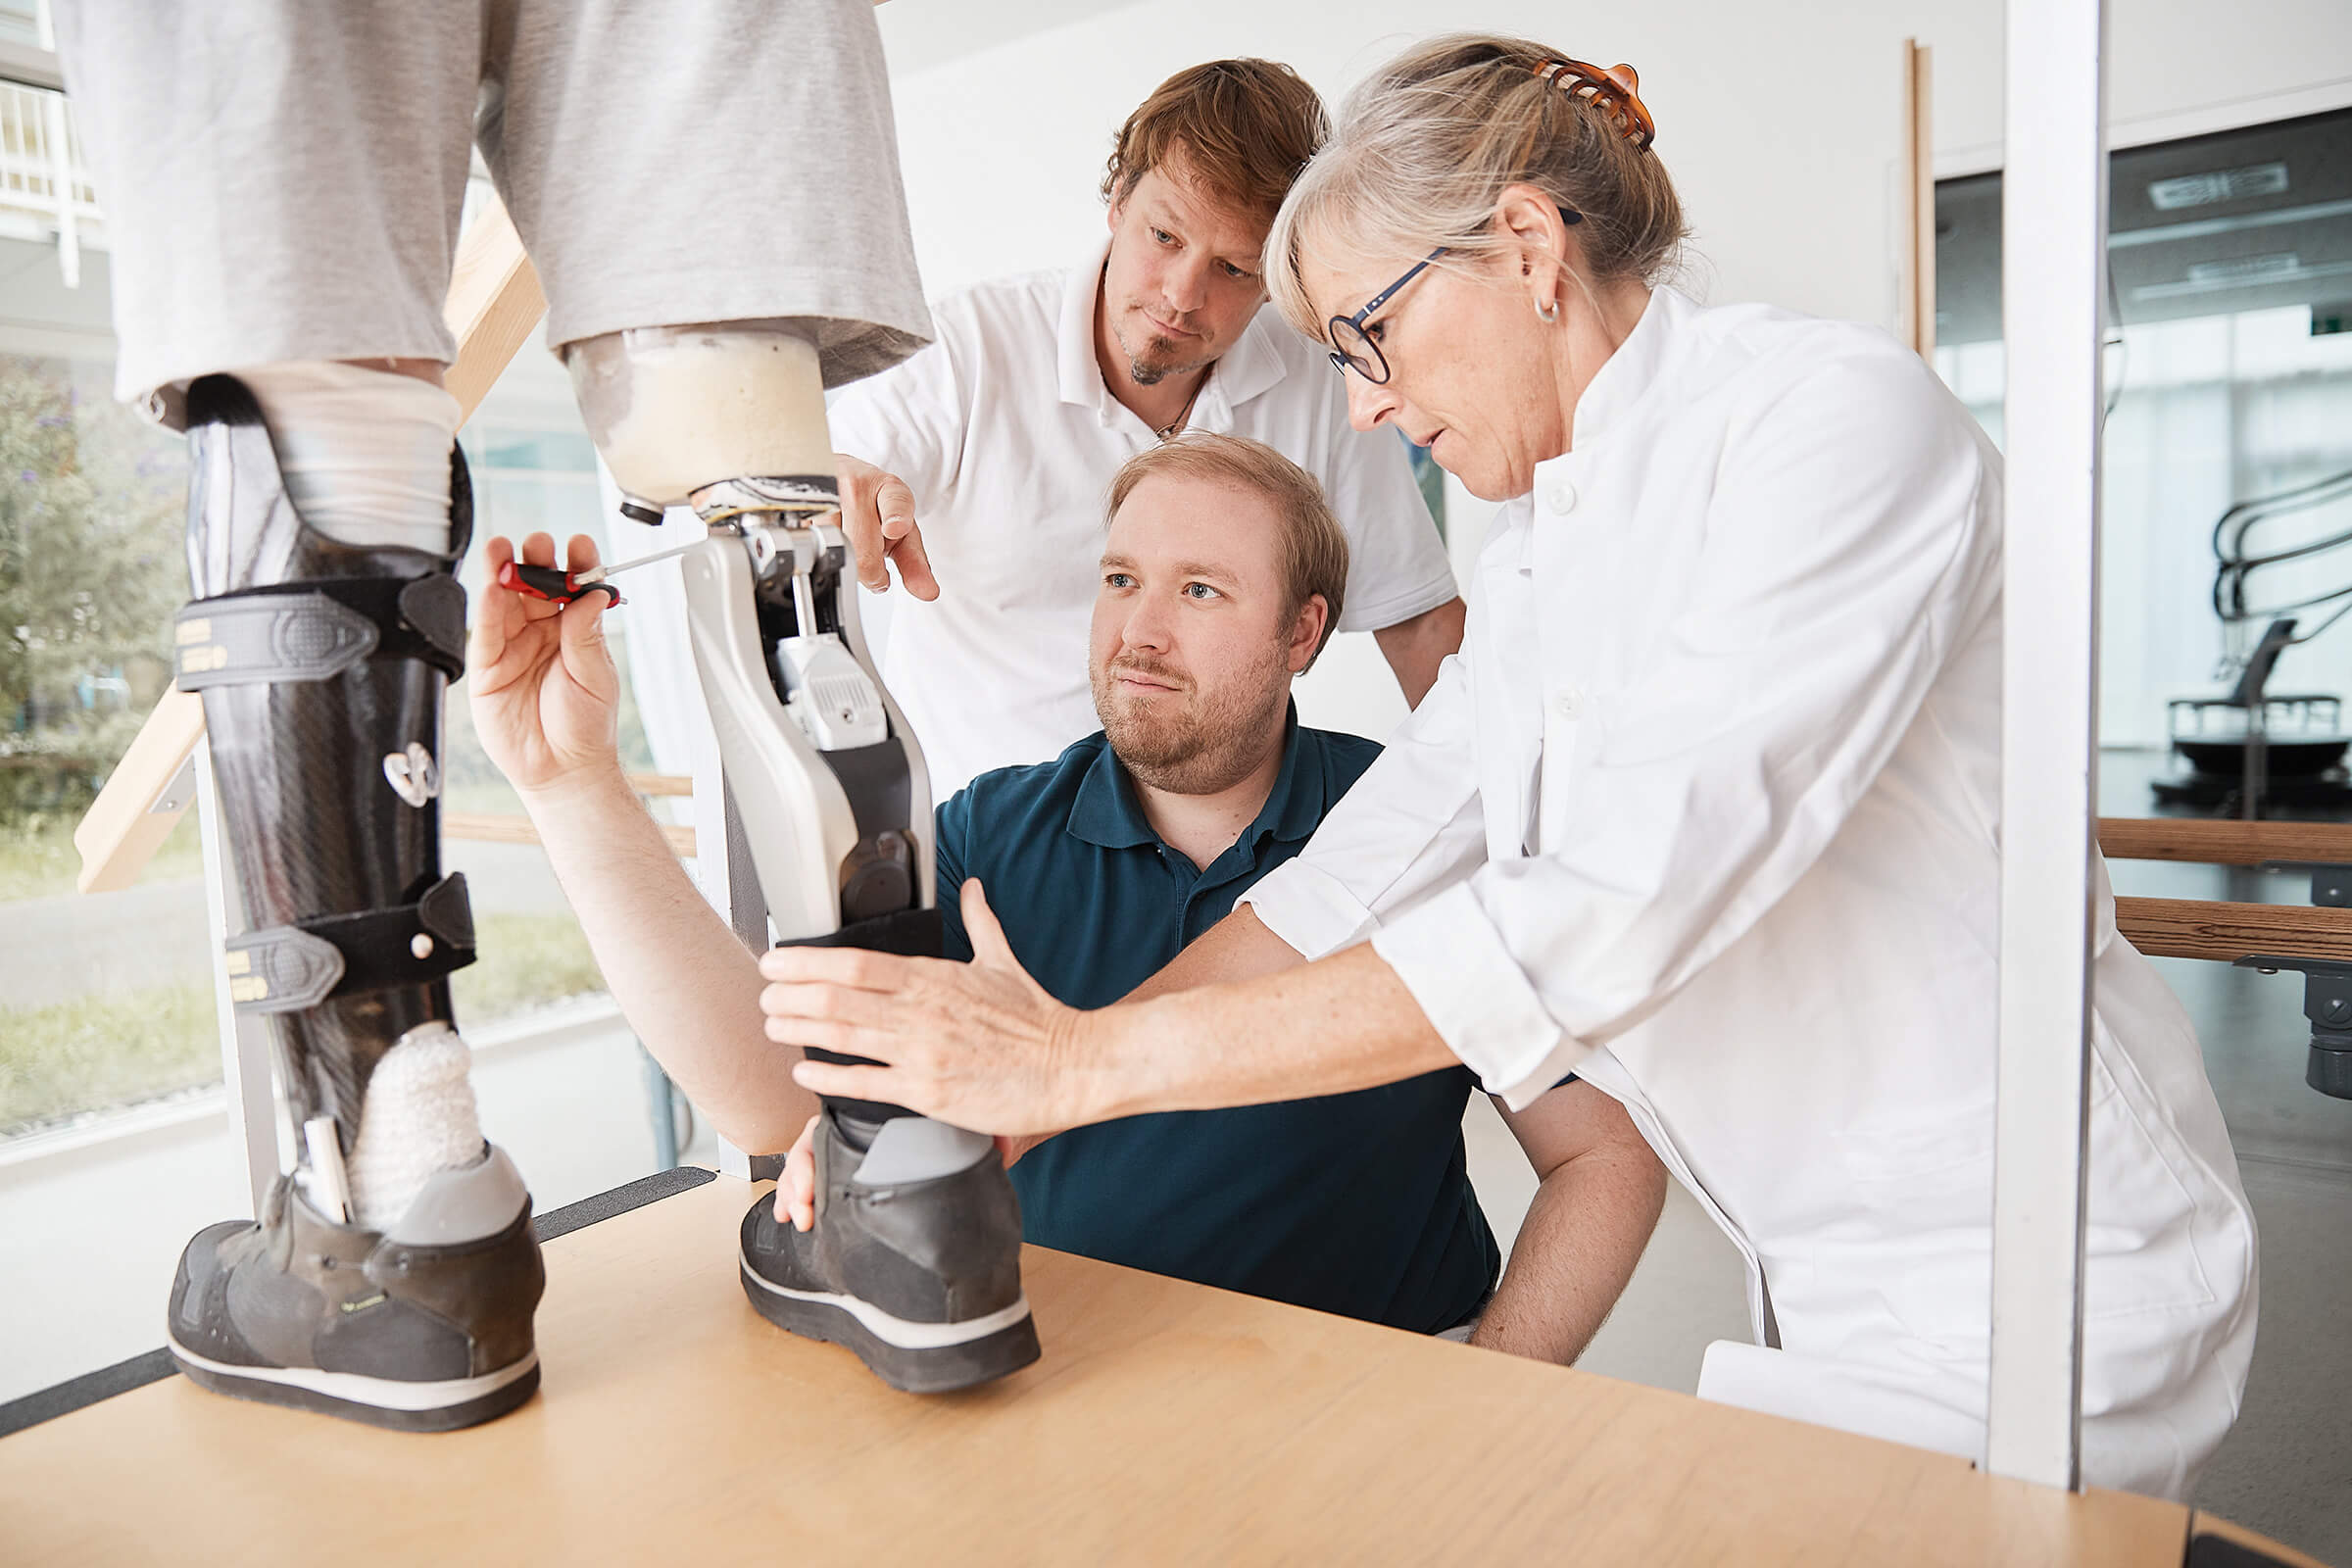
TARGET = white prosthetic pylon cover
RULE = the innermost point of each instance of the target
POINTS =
(418, 1119)
(364, 452)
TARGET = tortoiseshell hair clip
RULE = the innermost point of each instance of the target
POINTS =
(1619, 102)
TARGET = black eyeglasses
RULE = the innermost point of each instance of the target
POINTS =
(1352, 348)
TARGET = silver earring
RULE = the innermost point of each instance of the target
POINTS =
(1549, 313)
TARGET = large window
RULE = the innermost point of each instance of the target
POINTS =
(2228, 379)
(106, 999)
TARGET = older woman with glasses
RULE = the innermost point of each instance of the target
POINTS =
(1706, 812)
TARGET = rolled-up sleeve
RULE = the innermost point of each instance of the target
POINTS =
(1410, 826)
(1470, 984)
(1851, 542)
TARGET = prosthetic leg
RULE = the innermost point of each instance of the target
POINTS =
(322, 667)
(914, 1260)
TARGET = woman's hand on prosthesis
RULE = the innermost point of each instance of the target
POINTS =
(544, 695)
(978, 1044)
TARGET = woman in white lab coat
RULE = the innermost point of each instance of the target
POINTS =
(1706, 812)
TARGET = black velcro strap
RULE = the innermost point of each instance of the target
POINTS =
(316, 630)
(286, 968)
(912, 933)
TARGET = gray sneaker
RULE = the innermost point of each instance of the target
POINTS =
(422, 1329)
(920, 1278)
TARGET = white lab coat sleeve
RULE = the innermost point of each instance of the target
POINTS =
(1396, 564)
(1411, 823)
(910, 420)
(1849, 549)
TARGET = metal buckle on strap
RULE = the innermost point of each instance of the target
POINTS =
(286, 968)
(316, 629)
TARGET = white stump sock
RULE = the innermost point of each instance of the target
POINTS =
(417, 1119)
(364, 452)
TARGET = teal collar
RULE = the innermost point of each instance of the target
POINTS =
(1108, 811)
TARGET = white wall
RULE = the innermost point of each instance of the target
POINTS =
(1780, 124)
(1003, 149)
(1779, 120)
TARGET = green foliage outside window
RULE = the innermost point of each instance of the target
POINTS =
(91, 571)
(92, 567)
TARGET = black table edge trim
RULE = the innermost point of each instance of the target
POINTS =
(2218, 1552)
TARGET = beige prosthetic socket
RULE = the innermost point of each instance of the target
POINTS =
(675, 410)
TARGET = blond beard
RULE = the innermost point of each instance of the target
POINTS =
(1208, 747)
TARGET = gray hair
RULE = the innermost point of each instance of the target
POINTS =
(1425, 149)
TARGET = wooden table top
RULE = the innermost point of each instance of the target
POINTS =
(1167, 1423)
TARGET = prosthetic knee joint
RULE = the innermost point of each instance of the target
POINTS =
(914, 1260)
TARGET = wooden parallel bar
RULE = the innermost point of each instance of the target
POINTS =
(488, 827)
(674, 784)
(2163, 928)
(2192, 928)
(139, 807)
(494, 301)
(499, 827)
(2216, 842)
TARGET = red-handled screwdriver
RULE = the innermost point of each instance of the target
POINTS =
(551, 583)
(560, 587)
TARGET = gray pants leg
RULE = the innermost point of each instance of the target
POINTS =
(283, 180)
(280, 181)
(728, 160)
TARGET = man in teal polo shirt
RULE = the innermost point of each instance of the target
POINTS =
(1220, 579)
(1354, 1204)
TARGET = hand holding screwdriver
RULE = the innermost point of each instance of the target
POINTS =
(546, 696)
(561, 587)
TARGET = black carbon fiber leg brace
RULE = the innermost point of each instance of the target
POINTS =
(323, 668)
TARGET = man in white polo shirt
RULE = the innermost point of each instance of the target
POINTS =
(979, 465)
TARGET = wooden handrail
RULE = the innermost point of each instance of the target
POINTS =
(144, 797)
(502, 827)
(2196, 928)
(494, 301)
(2162, 928)
(505, 827)
(2213, 841)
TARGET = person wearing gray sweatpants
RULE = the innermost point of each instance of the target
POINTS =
(712, 197)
